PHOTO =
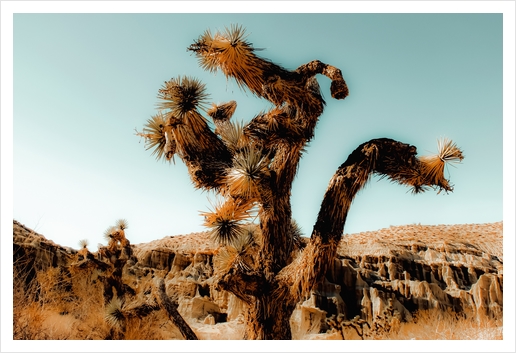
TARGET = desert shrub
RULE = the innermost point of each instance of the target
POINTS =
(432, 324)
(58, 303)
(435, 324)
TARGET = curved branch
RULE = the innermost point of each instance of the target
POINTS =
(174, 315)
(388, 158)
(202, 151)
(338, 88)
(182, 130)
(231, 53)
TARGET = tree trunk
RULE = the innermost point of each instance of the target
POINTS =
(268, 318)
(275, 220)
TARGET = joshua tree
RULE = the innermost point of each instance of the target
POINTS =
(115, 235)
(83, 252)
(252, 167)
(116, 254)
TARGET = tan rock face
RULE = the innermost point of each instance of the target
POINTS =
(457, 267)
(35, 247)
(403, 269)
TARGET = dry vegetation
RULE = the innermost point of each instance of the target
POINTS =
(44, 311)
(52, 303)
(49, 309)
(68, 303)
(45, 308)
(435, 325)
(432, 324)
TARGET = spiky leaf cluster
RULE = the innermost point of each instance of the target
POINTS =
(429, 170)
(182, 96)
(276, 126)
(250, 167)
(400, 164)
(179, 123)
(433, 166)
(230, 256)
(181, 99)
(296, 234)
(229, 52)
(222, 112)
(240, 252)
(83, 243)
(116, 234)
(226, 220)
(234, 137)
(114, 313)
(155, 137)
(121, 223)
(109, 233)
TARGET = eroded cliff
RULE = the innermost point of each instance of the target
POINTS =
(398, 270)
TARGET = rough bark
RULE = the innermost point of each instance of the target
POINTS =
(268, 318)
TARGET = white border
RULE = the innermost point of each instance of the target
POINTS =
(8, 8)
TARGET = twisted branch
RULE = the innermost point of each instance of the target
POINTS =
(391, 159)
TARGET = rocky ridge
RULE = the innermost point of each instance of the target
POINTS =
(404, 269)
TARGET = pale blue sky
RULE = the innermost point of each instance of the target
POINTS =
(84, 82)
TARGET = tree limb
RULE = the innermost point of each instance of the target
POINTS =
(173, 314)
(338, 88)
(391, 159)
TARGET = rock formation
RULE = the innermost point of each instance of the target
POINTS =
(398, 270)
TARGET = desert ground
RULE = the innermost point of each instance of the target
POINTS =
(439, 282)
